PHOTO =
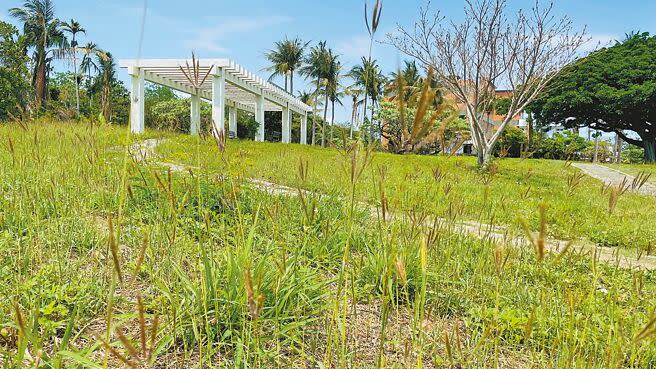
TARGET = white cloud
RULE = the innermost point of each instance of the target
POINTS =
(211, 38)
(353, 48)
(598, 41)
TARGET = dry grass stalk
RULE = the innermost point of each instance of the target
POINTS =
(136, 358)
(539, 243)
(615, 192)
(192, 72)
(375, 17)
(649, 330)
(438, 174)
(500, 258)
(113, 247)
(220, 138)
(639, 180)
(255, 302)
(142, 255)
(573, 181)
(400, 270)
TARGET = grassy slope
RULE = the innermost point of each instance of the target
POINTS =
(513, 194)
(330, 283)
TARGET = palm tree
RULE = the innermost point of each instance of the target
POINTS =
(370, 79)
(354, 92)
(315, 68)
(411, 79)
(89, 65)
(107, 77)
(330, 68)
(333, 87)
(73, 27)
(44, 34)
(287, 57)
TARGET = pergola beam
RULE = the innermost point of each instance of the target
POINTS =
(228, 85)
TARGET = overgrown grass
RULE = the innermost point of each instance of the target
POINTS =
(444, 185)
(112, 262)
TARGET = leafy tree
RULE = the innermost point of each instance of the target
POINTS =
(562, 146)
(612, 90)
(43, 32)
(502, 105)
(14, 86)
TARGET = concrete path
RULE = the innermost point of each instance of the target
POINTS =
(614, 177)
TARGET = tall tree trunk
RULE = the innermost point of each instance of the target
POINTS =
(529, 123)
(354, 113)
(332, 120)
(649, 144)
(618, 149)
(291, 82)
(314, 115)
(77, 89)
(323, 124)
(40, 82)
(371, 120)
(106, 102)
(595, 158)
(286, 90)
(364, 111)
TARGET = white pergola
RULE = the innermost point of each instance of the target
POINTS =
(228, 85)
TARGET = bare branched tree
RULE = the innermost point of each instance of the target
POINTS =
(490, 49)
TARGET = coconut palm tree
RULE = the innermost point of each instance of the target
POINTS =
(89, 65)
(287, 57)
(73, 27)
(411, 79)
(44, 34)
(370, 79)
(107, 76)
(330, 68)
(333, 87)
(315, 67)
(355, 93)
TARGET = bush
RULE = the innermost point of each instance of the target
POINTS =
(633, 155)
(561, 146)
(512, 143)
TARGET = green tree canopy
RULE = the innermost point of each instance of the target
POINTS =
(14, 85)
(613, 90)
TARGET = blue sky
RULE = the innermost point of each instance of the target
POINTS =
(244, 30)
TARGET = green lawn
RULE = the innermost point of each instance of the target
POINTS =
(97, 248)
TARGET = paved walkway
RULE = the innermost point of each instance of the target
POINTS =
(614, 177)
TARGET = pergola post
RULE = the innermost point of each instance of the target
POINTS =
(286, 124)
(304, 129)
(137, 100)
(259, 117)
(232, 120)
(218, 100)
(195, 115)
